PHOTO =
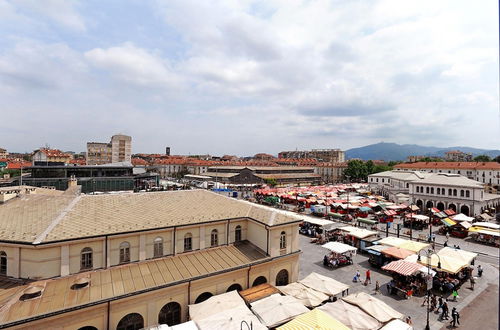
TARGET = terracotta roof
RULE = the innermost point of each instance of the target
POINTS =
(451, 165)
(17, 165)
(40, 219)
(53, 152)
(118, 282)
(139, 161)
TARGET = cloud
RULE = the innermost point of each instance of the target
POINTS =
(133, 64)
(61, 12)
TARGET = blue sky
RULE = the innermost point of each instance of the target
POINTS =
(241, 77)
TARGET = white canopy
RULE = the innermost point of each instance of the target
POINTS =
(373, 306)
(215, 304)
(462, 217)
(307, 296)
(397, 325)
(358, 232)
(486, 225)
(462, 255)
(190, 325)
(420, 217)
(318, 221)
(324, 284)
(392, 241)
(230, 319)
(339, 248)
(277, 309)
(352, 316)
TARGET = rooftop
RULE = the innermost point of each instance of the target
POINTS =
(449, 179)
(40, 219)
(452, 165)
(113, 283)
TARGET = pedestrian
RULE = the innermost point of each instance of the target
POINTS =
(408, 320)
(455, 294)
(433, 302)
(425, 301)
(447, 236)
(445, 243)
(472, 282)
(445, 310)
(368, 276)
(479, 271)
(358, 276)
(455, 317)
(377, 287)
(440, 303)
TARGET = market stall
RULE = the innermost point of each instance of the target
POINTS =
(306, 295)
(485, 235)
(359, 237)
(375, 255)
(324, 284)
(315, 319)
(313, 227)
(416, 221)
(350, 315)
(408, 278)
(396, 253)
(276, 309)
(340, 254)
(374, 307)
(230, 319)
(215, 304)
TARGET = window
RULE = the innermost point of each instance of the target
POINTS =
(450, 192)
(158, 247)
(438, 191)
(454, 192)
(259, 280)
(237, 234)
(86, 259)
(170, 314)
(132, 321)
(188, 242)
(467, 193)
(3, 263)
(214, 238)
(124, 252)
(202, 297)
(426, 190)
(283, 240)
(234, 287)
(432, 190)
(282, 277)
(462, 193)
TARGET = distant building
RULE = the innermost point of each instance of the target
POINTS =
(330, 172)
(263, 156)
(323, 155)
(47, 157)
(413, 159)
(3, 153)
(119, 149)
(167, 151)
(457, 156)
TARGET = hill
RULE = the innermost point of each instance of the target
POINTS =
(393, 151)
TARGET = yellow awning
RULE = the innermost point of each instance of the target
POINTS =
(314, 319)
(413, 246)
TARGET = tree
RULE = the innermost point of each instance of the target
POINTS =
(431, 159)
(271, 182)
(356, 170)
(497, 159)
(482, 158)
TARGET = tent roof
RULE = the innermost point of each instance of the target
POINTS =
(338, 247)
(373, 306)
(413, 246)
(317, 221)
(392, 241)
(230, 319)
(258, 292)
(277, 309)
(405, 268)
(397, 252)
(358, 232)
(463, 255)
(397, 325)
(307, 296)
(324, 284)
(448, 264)
(462, 217)
(350, 315)
(315, 319)
(215, 304)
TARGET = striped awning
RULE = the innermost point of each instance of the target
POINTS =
(449, 212)
(448, 222)
(435, 210)
(405, 268)
(390, 212)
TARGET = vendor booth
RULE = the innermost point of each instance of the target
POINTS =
(485, 235)
(416, 221)
(376, 308)
(350, 315)
(340, 254)
(375, 255)
(326, 285)
(306, 295)
(313, 227)
(359, 237)
(277, 309)
(408, 278)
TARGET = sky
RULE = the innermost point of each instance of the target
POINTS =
(242, 77)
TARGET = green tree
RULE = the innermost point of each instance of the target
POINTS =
(356, 170)
(369, 167)
(482, 158)
(431, 159)
(271, 182)
(392, 163)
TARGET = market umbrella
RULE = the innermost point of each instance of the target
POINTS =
(397, 325)
(314, 319)
(373, 306)
(324, 284)
(413, 246)
(215, 304)
(350, 315)
(338, 247)
(462, 217)
(307, 296)
(230, 319)
(397, 252)
(464, 256)
(277, 309)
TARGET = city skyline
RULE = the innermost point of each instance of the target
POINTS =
(248, 77)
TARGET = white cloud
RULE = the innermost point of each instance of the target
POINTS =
(62, 12)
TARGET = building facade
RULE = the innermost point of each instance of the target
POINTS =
(3, 153)
(45, 156)
(119, 149)
(330, 172)
(101, 261)
(457, 156)
(323, 155)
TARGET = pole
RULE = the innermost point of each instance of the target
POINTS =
(427, 327)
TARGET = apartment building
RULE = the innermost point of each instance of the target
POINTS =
(457, 156)
(323, 155)
(330, 172)
(119, 149)
(103, 261)
(46, 156)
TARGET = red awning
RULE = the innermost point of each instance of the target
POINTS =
(390, 212)
(449, 212)
(403, 267)
(435, 210)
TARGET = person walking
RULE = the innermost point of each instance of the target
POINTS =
(377, 287)
(368, 276)
(472, 282)
(433, 302)
(358, 276)
(479, 271)
(455, 318)
(445, 311)
(455, 294)
(440, 303)
(447, 236)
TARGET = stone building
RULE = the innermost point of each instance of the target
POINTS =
(324, 155)
(46, 156)
(111, 261)
(119, 149)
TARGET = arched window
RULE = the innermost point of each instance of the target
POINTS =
(426, 190)
(432, 190)
(188, 242)
(202, 297)
(88, 327)
(282, 277)
(158, 247)
(237, 234)
(467, 193)
(3, 263)
(132, 321)
(454, 192)
(283, 240)
(450, 192)
(125, 252)
(438, 191)
(259, 280)
(86, 259)
(214, 238)
(170, 314)
(234, 287)
(462, 193)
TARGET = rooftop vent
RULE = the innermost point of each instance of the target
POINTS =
(80, 283)
(31, 293)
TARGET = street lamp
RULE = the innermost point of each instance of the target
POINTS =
(429, 254)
